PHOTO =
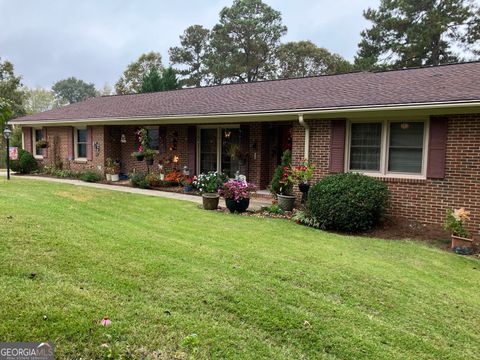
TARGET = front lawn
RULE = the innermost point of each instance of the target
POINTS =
(250, 288)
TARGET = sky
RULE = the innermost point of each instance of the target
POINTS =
(94, 40)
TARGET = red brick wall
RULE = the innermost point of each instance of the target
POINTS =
(57, 152)
(422, 200)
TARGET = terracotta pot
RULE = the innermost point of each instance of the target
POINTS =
(115, 177)
(239, 206)
(210, 201)
(460, 242)
(286, 202)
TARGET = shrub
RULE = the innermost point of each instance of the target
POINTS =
(139, 180)
(153, 180)
(274, 209)
(175, 176)
(278, 185)
(25, 164)
(455, 222)
(89, 176)
(348, 202)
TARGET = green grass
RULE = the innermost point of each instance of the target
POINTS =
(163, 270)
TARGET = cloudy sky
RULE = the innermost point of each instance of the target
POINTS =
(48, 40)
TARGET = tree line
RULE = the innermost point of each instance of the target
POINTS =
(245, 46)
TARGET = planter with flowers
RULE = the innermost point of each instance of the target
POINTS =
(286, 199)
(455, 223)
(209, 184)
(237, 195)
(42, 144)
(143, 150)
(149, 156)
(302, 174)
(187, 184)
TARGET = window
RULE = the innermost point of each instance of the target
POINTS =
(387, 147)
(37, 136)
(405, 152)
(80, 143)
(154, 137)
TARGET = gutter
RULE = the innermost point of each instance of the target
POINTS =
(302, 122)
(247, 116)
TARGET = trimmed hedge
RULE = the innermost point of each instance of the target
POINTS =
(90, 176)
(25, 164)
(348, 202)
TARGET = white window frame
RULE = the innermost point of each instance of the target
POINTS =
(385, 147)
(34, 142)
(219, 143)
(75, 146)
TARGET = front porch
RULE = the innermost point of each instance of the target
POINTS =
(252, 149)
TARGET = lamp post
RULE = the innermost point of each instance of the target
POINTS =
(6, 134)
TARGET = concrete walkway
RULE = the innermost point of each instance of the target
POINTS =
(255, 204)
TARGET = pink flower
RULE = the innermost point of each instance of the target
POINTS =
(105, 321)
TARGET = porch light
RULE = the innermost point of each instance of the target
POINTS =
(404, 126)
(7, 133)
(175, 159)
(186, 171)
(228, 133)
(123, 139)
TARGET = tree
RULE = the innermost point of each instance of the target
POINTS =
(191, 55)
(153, 81)
(106, 90)
(73, 90)
(131, 79)
(11, 89)
(39, 99)
(304, 58)
(244, 42)
(409, 33)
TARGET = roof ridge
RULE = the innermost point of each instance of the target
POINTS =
(299, 78)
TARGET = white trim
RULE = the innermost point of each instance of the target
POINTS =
(384, 149)
(34, 143)
(75, 144)
(262, 115)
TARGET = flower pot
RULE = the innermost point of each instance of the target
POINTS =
(210, 201)
(239, 206)
(286, 202)
(149, 161)
(304, 187)
(109, 177)
(140, 157)
(187, 188)
(460, 242)
(115, 177)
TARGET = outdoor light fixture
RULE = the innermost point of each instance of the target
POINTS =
(175, 159)
(123, 139)
(6, 134)
(186, 171)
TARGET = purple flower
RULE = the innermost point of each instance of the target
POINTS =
(105, 321)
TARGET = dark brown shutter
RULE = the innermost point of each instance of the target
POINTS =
(89, 143)
(45, 151)
(437, 148)
(337, 145)
(192, 148)
(70, 143)
(27, 139)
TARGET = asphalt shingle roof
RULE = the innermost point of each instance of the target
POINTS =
(447, 83)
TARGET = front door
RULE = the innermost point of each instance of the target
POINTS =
(219, 149)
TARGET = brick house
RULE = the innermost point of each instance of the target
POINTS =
(416, 129)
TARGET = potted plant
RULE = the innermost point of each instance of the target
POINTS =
(149, 156)
(187, 184)
(237, 195)
(115, 172)
(42, 144)
(286, 199)
(139, 155)
(302, 174)
(455, 223)
(209, 184)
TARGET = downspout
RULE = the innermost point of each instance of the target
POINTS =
(307, 135)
